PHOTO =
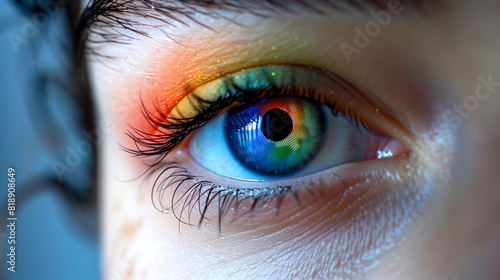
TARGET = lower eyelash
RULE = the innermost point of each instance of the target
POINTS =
(199, 194)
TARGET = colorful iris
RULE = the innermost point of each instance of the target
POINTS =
(275, 136)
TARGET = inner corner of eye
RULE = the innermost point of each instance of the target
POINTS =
(392, 147)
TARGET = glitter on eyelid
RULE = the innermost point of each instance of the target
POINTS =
(190, 106)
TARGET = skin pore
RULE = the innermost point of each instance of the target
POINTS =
(375, 222)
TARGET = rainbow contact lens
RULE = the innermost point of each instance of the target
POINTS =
(275, 136)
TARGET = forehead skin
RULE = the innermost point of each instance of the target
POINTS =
(458, 233)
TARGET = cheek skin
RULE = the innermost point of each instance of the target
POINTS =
(463, 242)
(151, 241)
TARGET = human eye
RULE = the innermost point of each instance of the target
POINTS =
(268, 136)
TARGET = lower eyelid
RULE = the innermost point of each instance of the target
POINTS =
(344, 185)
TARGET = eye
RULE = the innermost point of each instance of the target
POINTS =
(283, 136)
(260, 133)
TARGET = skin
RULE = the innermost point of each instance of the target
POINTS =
(439, 222)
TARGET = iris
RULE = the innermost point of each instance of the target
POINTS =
(275, 136)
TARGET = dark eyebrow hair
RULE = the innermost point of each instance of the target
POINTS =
(111, 21)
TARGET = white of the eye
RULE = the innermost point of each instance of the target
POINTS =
(343, 143)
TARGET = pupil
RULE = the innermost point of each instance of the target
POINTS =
(276, 124)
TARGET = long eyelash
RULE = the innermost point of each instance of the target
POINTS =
(171, 131)
(202, 193)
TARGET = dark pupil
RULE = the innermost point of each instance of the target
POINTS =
(276, 124)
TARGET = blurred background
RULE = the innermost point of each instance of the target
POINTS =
(45, 108)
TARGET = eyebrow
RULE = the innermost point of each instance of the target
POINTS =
(109, 21)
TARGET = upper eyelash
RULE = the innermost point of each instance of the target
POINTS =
(163, 141)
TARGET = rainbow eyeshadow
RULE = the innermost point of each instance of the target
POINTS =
(255, 80)
(275, 136)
